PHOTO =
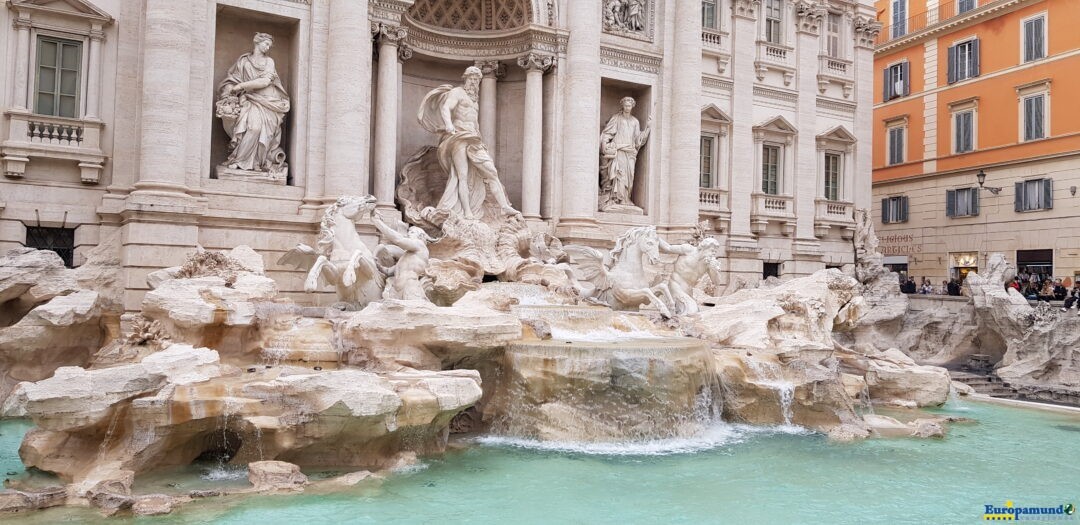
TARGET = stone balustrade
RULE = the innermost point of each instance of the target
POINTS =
(50, 137)
(712, 200)
(712, 39)
(772, 208)
(836, 67)
(829, 214)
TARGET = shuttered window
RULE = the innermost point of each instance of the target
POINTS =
(1034, 38)
(832, 34)
(964, 127)
(58, 65)
(832, 176)
(1037, 194)
(894, 209)
(707, 162)
(770, 169)
(899, 18)
(896, 145)
(897, 81)
(708, 14)
(963, 61)
(1035, 117)
(962, 203)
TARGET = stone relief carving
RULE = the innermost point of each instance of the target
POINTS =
(620, 142)
(809, 15)
(340, 256)
(252, 104)
(628, 18)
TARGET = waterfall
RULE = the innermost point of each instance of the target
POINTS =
(108, 435)
(864, 398)
(772, 376)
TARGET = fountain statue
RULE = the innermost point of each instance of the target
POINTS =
(620, 142)
(252, 105)
(409, 254)
(340, 257)
(693, 263)
(625, 278)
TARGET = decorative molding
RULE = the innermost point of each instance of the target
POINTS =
(486, 45)
(552, 14)
(629, 60)
(535, 62)
(78, 9)
(491, 68)
(776, 94)
(617, 19)
(389, 11)
(746, 8)
(404, 53)
(390, 34)
(952, 23)
(847, 108)
(473, 15)
(808, 16)
(719, 84)
(866, 31)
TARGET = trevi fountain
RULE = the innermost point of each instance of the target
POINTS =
(471, 368)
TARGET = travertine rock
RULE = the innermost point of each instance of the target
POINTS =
(154, 505)
(269, 476)
(207, 311)
(894, 379)
(36, 499)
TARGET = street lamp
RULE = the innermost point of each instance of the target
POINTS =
(981, 176)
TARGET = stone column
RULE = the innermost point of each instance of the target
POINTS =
(165, 90)
(22, 63)
(348, 100)
(744, 148)
(581, 126)
(489, 98)
(805, 188)
(533, 144)
(866, 33)
(93, 75)
(386, 113)
(685, 128)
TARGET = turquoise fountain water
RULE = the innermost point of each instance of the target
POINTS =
(731, 474)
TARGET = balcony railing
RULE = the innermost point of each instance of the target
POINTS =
(779, 206)
(57, 138)
(712, 39)
(776, 54)
(58, 133)
(946, 11)
(835, 67)
(712, 200)
(834, 211)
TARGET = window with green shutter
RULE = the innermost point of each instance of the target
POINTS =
(770, 169)
(832, 176)
(58, 77)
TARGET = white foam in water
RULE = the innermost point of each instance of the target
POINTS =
(605, 334)
(225, 473)
(714, 437)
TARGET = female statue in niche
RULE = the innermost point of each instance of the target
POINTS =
(252, 107)
(619, 145)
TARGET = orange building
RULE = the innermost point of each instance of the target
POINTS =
(977, 135)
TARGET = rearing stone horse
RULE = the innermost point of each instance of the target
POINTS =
(624, 279)
(341, 258)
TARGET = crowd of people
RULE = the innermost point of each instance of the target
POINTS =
(949, 287)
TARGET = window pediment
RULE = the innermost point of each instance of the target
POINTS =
(68, 8)
(838, 134)
(713, 113)
(777, 128)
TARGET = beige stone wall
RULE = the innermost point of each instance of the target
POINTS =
(928, 237)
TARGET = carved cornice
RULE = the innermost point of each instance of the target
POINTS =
(776, 94)
(535, 62)
(719, 84)
(808, 16)
(390, 34)
(746, 8)
(866, 31)
(488, 45)
(389, 11)
(21, 23)
(629, 60)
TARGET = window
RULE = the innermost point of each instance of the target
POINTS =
(770, 169)
(770, 270)
(832, 36)
(964, 131)
(832, 176)
(1034, 38)
(963, 6)
(897, 81)
(58, 65)
(1037, 194)
(1035, 117)
(708, 14)
(773, 16)
(894, 209)
(963, 61)
(962, 203)
(708, 162)
(899, 18)
(896, 145)
(59, 240)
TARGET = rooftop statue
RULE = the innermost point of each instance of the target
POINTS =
(252, 105)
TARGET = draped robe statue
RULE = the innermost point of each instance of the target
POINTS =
(620, 142)
(252, 106)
